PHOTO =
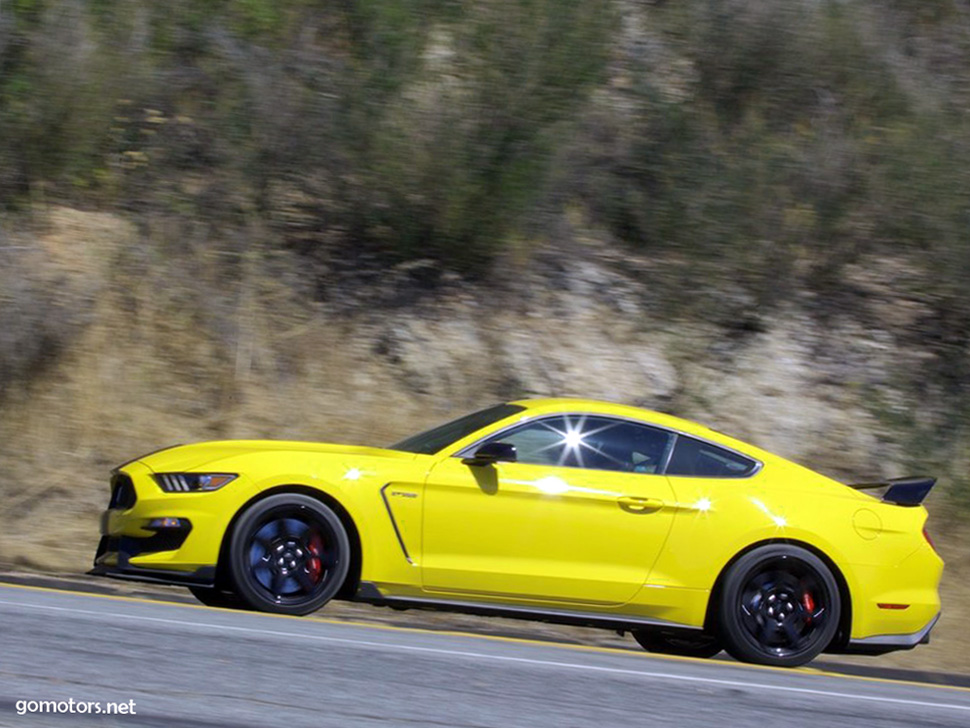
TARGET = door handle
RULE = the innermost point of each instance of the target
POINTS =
(636, 504)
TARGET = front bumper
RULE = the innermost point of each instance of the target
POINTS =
(113, 558)
(204, 576)
(133, 547)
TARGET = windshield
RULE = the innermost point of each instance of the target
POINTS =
(438, 438)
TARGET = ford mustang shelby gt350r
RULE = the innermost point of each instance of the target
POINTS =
(561, 510)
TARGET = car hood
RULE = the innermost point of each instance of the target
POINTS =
(195, 456)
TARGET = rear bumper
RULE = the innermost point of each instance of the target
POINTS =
(880, 644)
(894, 606)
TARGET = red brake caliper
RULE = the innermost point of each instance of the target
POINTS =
(809, 605)
(314, 566)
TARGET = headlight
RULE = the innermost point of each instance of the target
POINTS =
(192, 482)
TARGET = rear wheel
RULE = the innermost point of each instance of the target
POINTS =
(779, 606)
(289, 554)
(672, 642)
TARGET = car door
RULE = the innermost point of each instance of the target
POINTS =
(722, 495)
(579, 518)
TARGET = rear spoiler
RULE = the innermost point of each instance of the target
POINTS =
(901, 491)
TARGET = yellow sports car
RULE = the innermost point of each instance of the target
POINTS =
(560, 510)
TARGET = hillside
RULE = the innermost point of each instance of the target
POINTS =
(347, 221)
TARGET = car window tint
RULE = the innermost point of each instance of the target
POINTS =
(594, 443)
(704, 460)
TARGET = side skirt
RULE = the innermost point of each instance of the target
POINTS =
(369, 594)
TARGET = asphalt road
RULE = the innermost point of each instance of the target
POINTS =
(197, 667)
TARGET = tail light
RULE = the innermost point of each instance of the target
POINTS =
(929, 540)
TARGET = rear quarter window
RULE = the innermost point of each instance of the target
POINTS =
(703, 460)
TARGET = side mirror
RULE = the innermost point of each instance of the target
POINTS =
(491, 453)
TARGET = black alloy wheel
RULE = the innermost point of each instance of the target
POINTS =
(289, 554)
(779, 606)
(673, 642)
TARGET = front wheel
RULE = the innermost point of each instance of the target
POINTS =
(683, 643)
(289, 554)
(779, 606)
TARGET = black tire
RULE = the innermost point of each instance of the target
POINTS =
(683, 643)
(779, 606)
(288, 554)
(216, 597)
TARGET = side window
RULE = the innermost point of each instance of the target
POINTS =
(595, 443)
(703, 460)
(539, 443)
